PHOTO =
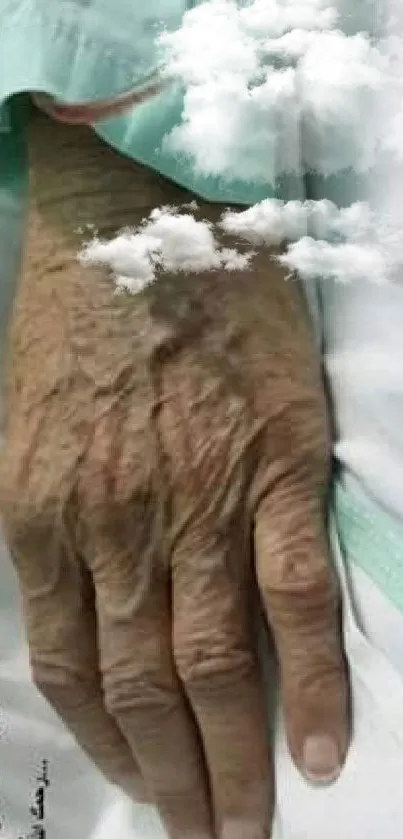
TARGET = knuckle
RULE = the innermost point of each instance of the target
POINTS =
(50, 686)
(125, 694)
(63, 656)
(299, 574)
(206, 666)
(61, 648)
(137, 676)
(305, 603)
(63, 688)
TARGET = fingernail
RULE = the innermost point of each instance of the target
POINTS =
(321, 759)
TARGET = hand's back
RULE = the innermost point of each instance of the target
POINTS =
(151, 441)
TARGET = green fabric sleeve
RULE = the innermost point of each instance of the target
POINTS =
(13, 195)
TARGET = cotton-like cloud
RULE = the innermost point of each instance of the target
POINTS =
(273, 87)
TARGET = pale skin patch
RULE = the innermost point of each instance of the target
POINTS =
(161, 453)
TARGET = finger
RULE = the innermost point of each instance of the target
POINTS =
(58, 607)
(216, 661)
(301, 599)
(132, 583)
(214, 647)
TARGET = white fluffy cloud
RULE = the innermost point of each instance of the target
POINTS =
(168, 240)
(273, 87)
(323, 241)
(279, 68)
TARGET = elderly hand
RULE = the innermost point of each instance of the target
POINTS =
(163, 453)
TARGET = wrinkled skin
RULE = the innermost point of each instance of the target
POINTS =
(163, 453)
